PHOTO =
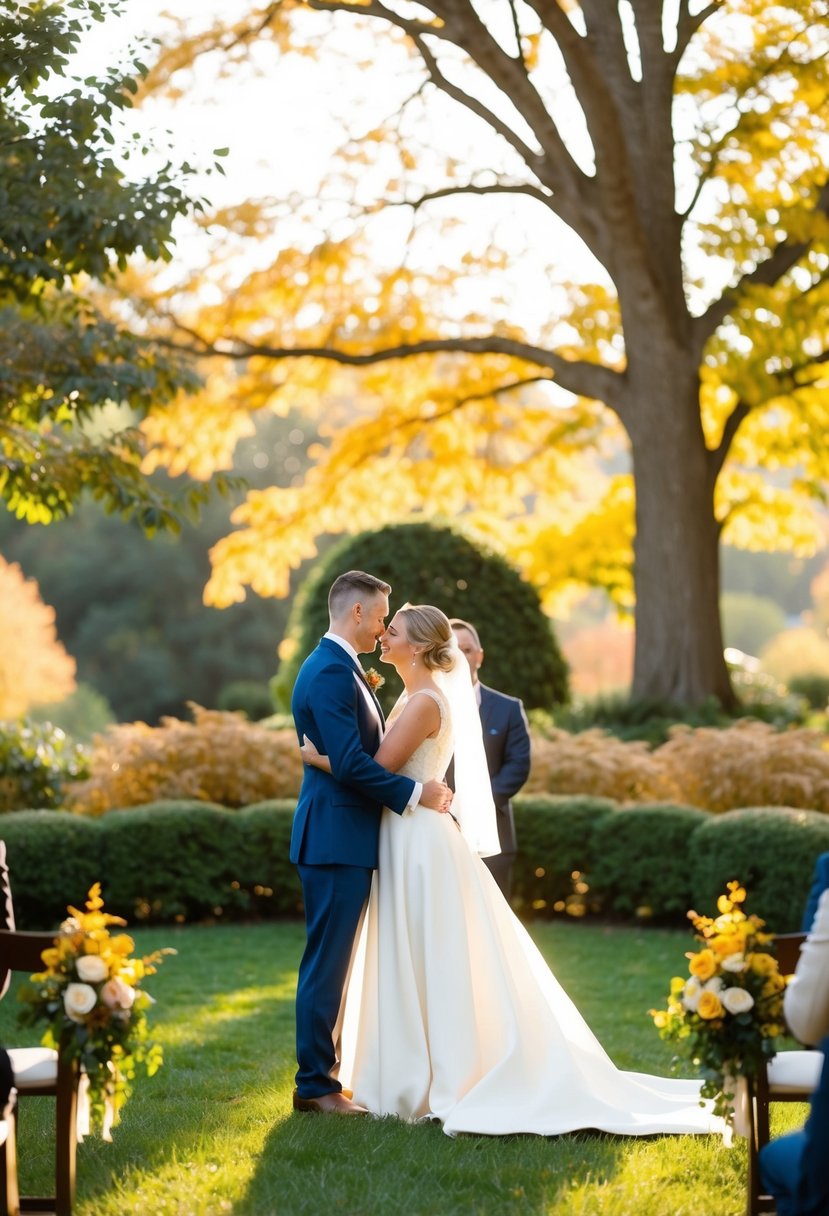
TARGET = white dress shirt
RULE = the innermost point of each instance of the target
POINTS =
(806, 1001)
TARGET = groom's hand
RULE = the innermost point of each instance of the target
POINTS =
(437, 796)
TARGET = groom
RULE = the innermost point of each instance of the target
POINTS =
(334, 840)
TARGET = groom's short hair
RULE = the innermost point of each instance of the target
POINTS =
(351, 587)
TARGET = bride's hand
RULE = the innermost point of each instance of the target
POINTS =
(310, 755)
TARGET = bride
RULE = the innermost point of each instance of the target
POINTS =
(451, 1012)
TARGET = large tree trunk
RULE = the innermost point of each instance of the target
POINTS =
(679, 649)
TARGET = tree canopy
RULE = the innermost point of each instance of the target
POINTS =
(74, 207)
(34, 666)
(682, 148)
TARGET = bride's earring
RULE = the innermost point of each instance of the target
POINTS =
(414, 659)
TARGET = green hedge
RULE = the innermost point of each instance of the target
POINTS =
(771, 850)
(53, 859)
(555, 841)
(641, 860)
(271, 878)
(194, 861)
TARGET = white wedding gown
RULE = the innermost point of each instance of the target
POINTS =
(452, 1014)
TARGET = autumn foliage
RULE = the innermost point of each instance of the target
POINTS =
(34, 667)
(219, 758)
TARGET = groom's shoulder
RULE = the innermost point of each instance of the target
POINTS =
(325, 656)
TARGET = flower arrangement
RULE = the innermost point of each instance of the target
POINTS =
(374, 679)
(96, 1012)
(728, 1012)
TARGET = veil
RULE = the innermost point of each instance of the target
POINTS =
(472, 805)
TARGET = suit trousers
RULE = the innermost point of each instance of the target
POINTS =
(335, 899)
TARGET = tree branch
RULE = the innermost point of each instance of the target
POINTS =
(765, 274)
(733, 422)
(527, 189)
(578, 376)
(688, 23)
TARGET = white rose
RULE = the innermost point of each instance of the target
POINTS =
(91, 968)
(78, 1001)
(715, 984)
(117, 995)
(737, 1000)
(734, 963)
(691, 993)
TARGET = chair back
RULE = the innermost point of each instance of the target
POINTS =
(787, 948)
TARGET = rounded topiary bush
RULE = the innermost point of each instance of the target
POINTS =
(247, 697)
(641, 860)
(271, 879)
(555, 852)
(53, 858)
(437, 565)
(770, 850)
(173, 861)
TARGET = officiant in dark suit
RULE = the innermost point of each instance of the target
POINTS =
(507, 745)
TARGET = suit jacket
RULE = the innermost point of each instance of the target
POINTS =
(507, 746)
(820, 881)
(337, 818)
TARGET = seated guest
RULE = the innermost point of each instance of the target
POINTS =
(795, 1168)
(820, 881)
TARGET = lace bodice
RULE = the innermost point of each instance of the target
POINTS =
(431, 758)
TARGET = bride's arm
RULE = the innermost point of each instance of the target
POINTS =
(418, 721)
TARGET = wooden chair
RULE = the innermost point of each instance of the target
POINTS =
(38, 1072)
(790, 1076)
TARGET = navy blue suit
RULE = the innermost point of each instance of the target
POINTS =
(795, 1168)
(820, 881)
(334, 842)
(507, 746)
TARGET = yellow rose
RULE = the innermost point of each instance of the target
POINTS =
(727, 943)
(761, 964)
(703, 965)
(773, 985)
(122, 944)
(709, 1006)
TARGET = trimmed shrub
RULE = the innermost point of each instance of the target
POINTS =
(173, 861)
(599, 764)
(54, 858)
(749, 764)
(814, 688)
(640, 862)
(555, 836)
(246, 697)
(36, 760)
(437, 565)
(770, 850)
(219, 757)
(271, 879)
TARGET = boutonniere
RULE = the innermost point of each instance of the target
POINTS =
(374, 679)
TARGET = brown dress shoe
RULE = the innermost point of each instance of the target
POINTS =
(328, 1104)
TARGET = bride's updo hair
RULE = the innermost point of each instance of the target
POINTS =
(428, 628)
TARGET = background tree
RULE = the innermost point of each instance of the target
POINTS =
(130, 609)
(683, 148)
(34, 666)
(70, 216)
(426, 564)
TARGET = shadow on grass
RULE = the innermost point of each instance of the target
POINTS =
(382, 1167)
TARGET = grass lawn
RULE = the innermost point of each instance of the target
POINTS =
(213, 1132)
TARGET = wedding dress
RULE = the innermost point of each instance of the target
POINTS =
(451, 1012)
